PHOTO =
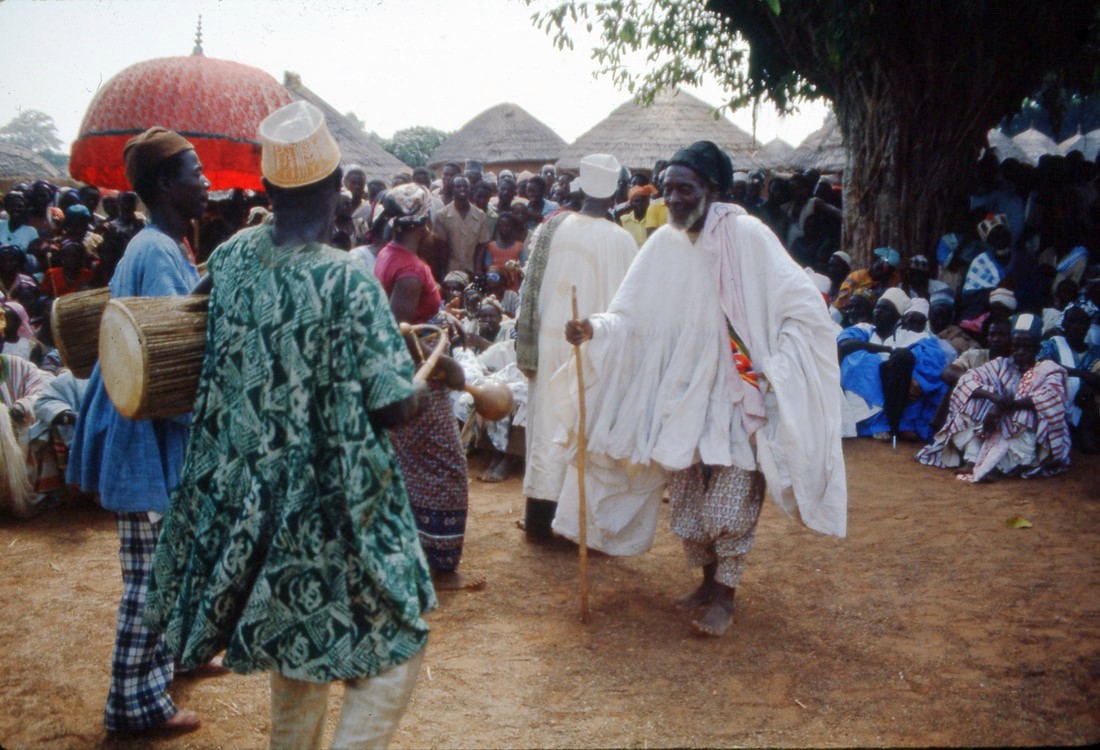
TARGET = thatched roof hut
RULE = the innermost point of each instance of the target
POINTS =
(1088, 144)
(639, 136)
(1005, 147)
(775, 154)
(18, 162)
(502, 137)
(822, 150)
(355, 146)
(1035, 143)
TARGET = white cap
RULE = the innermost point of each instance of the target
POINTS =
(298, 149)
(599, 175)
(897, 298)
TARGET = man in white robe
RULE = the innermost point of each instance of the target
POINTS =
(714, 369)
(592, 253)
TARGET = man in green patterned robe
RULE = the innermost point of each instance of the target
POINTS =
(290, 542)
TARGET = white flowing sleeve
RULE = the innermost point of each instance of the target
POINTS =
(793, 344)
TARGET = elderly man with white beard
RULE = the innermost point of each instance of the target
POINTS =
(730, 388)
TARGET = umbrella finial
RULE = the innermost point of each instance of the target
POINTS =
(198, 39)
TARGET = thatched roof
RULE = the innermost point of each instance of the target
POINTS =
(639, 136)
(1035, 143)
(775, 154)
(16, 161)
(1005, 147)
(502, 134)
(822, 150)
(1088, 144)
(355, 146)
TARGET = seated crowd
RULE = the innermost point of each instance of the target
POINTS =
(989, 351)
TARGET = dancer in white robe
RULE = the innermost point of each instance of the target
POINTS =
(715, 364)
(587, 251)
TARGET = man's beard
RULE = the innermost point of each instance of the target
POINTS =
(697, 213)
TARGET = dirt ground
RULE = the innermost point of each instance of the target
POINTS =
(931, 624)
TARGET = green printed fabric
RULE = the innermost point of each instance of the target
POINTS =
(289, 541)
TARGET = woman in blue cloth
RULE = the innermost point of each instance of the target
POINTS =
(135, 464)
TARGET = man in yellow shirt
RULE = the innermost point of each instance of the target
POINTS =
(657, 216)
(636, 216)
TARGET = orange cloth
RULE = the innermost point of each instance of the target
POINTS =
(501, 255)
(56, 285)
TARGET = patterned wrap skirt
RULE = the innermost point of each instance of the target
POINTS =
(433, 464)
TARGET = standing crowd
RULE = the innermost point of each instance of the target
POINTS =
(301, 520)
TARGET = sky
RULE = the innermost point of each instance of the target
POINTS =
(394, 63)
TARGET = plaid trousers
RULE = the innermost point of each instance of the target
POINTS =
(140, 668)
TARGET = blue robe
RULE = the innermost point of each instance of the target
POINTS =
(859, 374)
(133, 464)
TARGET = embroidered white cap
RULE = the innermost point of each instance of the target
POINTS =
(298, 149)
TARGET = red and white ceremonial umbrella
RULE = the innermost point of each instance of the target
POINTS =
(216, 104)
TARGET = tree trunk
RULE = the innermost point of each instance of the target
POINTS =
(910, 156)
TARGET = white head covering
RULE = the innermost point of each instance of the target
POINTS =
(898, 298)
(599, 175)
(919, 305)
(844, 257)
(1003, 297)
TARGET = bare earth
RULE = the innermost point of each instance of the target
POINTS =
(931, 624)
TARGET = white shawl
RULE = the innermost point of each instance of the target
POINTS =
(660, 383)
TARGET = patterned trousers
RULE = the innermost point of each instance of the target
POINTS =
(714, 512)
(140, 668)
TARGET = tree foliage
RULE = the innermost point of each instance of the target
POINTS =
(793, 50)
(33, 130)
(414, 145)
(57, 158)
(355, 121)
(915, 83)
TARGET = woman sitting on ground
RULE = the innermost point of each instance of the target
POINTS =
(890, 375)
(998, 335)
(18, 336)
(496, 285)
(23, 461)
(1007, 416)
(491, 354)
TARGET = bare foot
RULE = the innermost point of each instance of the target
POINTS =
(498, 470)
(703, 595)
(449, 580)
(213, 668)
(181, 721)
(717, 619)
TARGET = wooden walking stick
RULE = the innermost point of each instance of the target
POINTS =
(582, 447)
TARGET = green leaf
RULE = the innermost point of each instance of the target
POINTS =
(1017, 522)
